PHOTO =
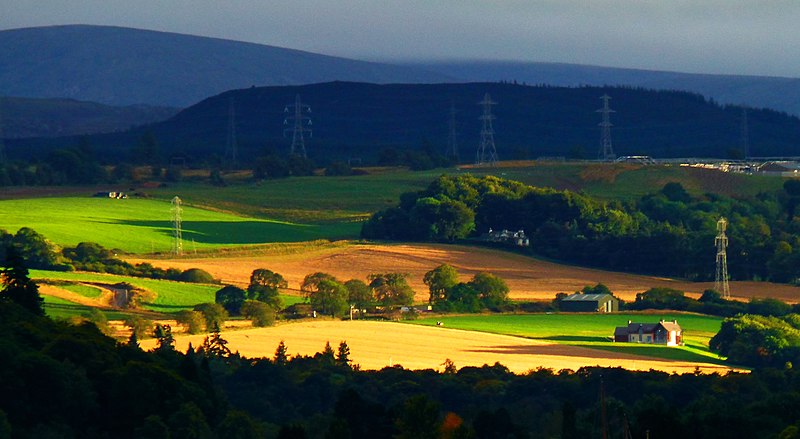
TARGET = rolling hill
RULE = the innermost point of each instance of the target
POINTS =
(782, 94)
(27, 117)
(121, 66)
(359, 119)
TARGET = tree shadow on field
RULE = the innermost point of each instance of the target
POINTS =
(573, 338)
(654, 353)
(240, 232)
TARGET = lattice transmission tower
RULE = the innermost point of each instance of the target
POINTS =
(606, 148)
(745, 133)
(231, 145)
(452, 141)
(721, 242)
(300, 121)
(2, 143)
(177, 246)
(487, 152)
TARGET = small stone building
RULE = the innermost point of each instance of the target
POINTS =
(664, 332)
(589, 303)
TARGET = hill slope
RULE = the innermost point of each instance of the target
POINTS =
(120, 66)
(358, 120)
(26, 117)
(782, 94)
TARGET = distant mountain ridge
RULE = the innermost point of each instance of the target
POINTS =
(777, 93)
(122, 66)
(358, 120)
(28, 117)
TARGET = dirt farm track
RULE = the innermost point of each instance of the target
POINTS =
(528, 278)
(374, 345)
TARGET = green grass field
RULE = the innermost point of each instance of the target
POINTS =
(145, 226)
(307, 208)
(58, 308)
(593, 331)
(170, 296)
(83, 290)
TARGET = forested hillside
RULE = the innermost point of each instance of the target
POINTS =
(667, 233)
(365, 120)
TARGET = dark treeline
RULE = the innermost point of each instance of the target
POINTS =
(667, 233)
(40, 253)
(357, 120)
(61, 380)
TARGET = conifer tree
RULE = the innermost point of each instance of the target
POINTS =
(17, 284)
(166, 342)
(343, 354)
(216, 346)
(281, 357)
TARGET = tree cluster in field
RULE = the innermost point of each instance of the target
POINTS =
(447, 294)
(666, 233)
(64, 380)
(39, 253)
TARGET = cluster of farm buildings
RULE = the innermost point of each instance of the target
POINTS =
(663, 332)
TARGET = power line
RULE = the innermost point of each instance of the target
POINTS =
(2, 142)
(745, 133)
(452, 143)
(487, 152)
(606, 149)
(231, 145)
(721, 242)
(299, 128)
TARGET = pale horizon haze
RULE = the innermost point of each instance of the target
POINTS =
(709, 36)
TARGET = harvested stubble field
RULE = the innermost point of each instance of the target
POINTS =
(528, 278)
(374, 345)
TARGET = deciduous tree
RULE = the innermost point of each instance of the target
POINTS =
(17, 284)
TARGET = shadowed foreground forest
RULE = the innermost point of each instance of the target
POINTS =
(60, 380)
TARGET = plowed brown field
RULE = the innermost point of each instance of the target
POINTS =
(375, 345)
(528, 278)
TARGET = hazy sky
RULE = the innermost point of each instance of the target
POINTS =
(708, 36)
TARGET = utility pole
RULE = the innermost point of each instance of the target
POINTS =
(745, 132)
(230, 143)
(606, 153)
(487, 153)
(177, 246)
(298, 115)
(452, 144)
(721, 242)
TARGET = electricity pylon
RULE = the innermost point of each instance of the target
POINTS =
(721, 242)
(231, 144)
(177, 246)
(487, 153)
(452, 144)
(298, 115)
(606, 149)
(745, 132)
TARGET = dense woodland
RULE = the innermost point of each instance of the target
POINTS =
(666, 233)
(61, 380)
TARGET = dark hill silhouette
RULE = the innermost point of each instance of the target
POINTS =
(358, 120)
(27, 117)
(782, 94)
(121, 66)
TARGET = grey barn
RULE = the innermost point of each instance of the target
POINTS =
(589, 303)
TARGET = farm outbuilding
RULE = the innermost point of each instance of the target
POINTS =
(664, 332)
(589, 303)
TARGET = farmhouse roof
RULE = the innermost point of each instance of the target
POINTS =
(647, 328)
